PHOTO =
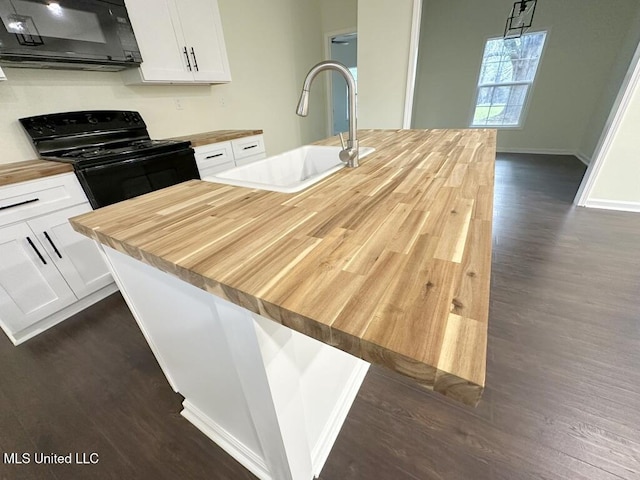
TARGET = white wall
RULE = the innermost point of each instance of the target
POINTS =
(617, 184)
(338, 15)
(384, 37)
(584, 39)
(602, 110)
(271, 45)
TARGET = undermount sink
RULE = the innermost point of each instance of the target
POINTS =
(288, 172)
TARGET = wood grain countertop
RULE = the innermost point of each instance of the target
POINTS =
(389, 261)
(217, 136)
(30, 170)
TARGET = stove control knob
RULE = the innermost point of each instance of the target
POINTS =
(92, 120)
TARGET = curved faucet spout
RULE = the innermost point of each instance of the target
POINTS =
(349, 153)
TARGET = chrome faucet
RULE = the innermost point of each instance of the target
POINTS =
(349, 153)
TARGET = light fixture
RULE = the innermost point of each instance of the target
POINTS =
(520, 19)
(24, 28)
(55, 9)
(16, 27)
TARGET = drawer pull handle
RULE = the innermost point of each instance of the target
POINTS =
(195, 60)
(55, 249)
(19, 203)
(36, 250)
(250, 146)
(186, 54)
(214, 156)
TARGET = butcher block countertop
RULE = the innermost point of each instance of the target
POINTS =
(30, 170)
(217, 136)
(389, 261)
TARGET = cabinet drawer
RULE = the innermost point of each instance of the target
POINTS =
(24, 200)
(214, 155)
(247, 146)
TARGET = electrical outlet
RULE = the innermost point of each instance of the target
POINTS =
(222, 101)
(179, 104)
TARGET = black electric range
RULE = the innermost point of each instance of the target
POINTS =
(111, 152)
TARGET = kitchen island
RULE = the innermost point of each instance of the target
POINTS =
(264, 309)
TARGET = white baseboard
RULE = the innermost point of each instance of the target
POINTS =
(230, 444)
(322, 448)
(586, 159)
(613, 205)
(548, 151)
(537, 151)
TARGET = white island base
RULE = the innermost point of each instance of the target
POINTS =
(273, 398)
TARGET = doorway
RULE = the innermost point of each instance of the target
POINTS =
(341, 47)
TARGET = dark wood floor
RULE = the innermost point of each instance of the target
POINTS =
(563, 384)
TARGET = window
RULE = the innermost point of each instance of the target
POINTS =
(507, 73)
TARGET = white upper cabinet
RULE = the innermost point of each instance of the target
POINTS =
(181, 41)
(202, 29)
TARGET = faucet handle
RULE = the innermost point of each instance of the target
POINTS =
(344, 144)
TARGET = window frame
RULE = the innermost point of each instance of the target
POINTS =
(527, 101)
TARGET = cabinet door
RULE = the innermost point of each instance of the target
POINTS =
(202, 30)
(31, 287)
(159, 37)
(76, 256)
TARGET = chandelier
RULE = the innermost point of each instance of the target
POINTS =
(520, 19)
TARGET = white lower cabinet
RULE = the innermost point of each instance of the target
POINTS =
(48, 271)
(31, 287)
(76, 256)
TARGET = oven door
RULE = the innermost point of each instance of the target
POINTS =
(114, 182)
(67, 30)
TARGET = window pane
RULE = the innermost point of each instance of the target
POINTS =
(518, 94)
(512, 115)
(505, 62)
(501, 95)
(484, 96)
(489, 71)
(496, 114)
(480, 115)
